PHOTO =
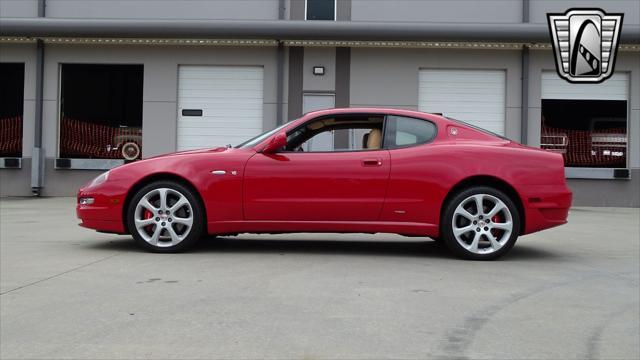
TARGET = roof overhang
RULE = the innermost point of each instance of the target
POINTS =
(291, 33)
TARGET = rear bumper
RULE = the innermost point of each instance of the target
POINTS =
(546, 206)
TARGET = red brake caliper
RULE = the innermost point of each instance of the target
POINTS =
(496, 219)
(148, 215)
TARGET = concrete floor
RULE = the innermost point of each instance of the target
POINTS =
(68, 292)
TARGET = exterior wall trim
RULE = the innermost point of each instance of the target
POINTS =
(296, 69)
(90, 164)
(592, 173)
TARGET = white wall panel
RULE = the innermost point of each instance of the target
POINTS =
(231, 99)
(475, 96)
(614, 88)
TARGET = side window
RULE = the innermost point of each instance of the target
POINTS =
(344, 133)
(404, 132)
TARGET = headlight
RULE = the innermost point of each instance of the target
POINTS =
(100, 179)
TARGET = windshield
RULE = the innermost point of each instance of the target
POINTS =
(256, 140)
(480, 129)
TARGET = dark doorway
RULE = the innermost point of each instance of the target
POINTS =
(101, 111)
(11, 109)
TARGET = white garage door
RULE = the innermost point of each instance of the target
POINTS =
(474, 96)
(218, 105)
(615, 88)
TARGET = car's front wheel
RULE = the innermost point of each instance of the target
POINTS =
(480, 223)
(165, 216)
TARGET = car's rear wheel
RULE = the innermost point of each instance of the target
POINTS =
(480, 223)
(165, 216)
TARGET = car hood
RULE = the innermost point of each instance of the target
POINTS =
(190, 152)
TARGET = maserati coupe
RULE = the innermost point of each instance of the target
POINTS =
(356, 170)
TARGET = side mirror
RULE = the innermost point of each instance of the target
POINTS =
(275, 143)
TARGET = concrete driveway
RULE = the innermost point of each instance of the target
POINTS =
(68, 292)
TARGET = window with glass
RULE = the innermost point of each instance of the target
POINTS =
(320, 9)
(11, 109)
(344, 133)
(588, 133)
(404, 132)
(101, 111)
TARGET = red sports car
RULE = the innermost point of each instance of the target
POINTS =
(342, 170)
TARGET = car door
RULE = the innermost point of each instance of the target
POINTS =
(316, 186)
(415, 185)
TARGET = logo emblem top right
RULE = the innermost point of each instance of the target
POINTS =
(585, 43)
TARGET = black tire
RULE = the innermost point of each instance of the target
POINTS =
(196, 210)
(456, 247)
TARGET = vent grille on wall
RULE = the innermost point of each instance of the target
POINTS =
(11, 163)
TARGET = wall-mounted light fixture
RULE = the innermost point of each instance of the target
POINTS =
(318, 70)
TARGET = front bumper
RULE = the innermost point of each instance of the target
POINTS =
(104, 214)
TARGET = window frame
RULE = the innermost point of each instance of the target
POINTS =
(386, 128)
(335, 11)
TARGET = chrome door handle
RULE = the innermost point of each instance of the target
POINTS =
(218, 172)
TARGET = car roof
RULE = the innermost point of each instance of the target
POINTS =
(373, 110)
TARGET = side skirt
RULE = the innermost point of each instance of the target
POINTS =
(404, 228)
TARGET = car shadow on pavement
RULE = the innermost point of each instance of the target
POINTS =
(413, 248)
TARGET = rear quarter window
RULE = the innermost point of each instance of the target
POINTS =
(401, 131)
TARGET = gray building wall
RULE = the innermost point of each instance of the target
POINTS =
(17, 182)
(319, 56)
(540, 8)
(463, 11)
(486, 11)
(19, 8)
(162, 9)
(159, 99)
(389, 77)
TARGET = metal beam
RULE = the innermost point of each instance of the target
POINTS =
(524, 103)
(280, 70)
(37, 156)
(284, 30)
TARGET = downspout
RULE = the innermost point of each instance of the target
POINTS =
(37, 158)
(524, 113)
(280, 70)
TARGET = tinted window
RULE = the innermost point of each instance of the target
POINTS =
(403, 131)
(321, 9)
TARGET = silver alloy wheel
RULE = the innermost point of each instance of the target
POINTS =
(482, 224)
(163, 217)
